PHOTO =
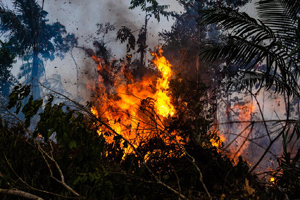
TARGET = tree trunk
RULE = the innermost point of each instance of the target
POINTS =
(35, 76)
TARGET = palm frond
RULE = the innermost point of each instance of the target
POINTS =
(278, 11)
(248, 38)
(282, 16)
(239, 24)
(258, 79)
(251, 41)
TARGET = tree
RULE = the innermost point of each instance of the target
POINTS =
(187, 37)
(151, 8)
(7, 80)
(31, 36)
(272, 39)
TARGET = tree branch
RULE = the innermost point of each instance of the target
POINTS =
(20, 193)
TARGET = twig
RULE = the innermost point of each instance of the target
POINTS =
(42, 151)
(178, 181)
(266, 151)
(246, 139)
(238, 136)
(193, 161)
(62, 181)
(260, 121)
(15, 116)
(30, 187)
(261, 113)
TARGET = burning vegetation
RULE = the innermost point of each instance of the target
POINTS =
(192, 123)
(137, 109)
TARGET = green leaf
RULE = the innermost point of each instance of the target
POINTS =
(72, 144)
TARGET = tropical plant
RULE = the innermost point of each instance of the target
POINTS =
(32, 37)
(264, 54)
(7, 80)
(273, 38)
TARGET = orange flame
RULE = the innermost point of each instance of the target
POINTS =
(136, 109)
(217, 142)
(237, 143)
(163, 104)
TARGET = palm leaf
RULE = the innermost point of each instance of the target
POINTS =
(257, 79)
(251, 41)
(282, 17)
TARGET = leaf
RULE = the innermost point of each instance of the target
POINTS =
(72, 144)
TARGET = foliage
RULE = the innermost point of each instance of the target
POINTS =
(33, 161)
(33, 38)
(65, 156)
(250, 41)
(154, 8)
(6, 78)
(187, 37)
(125, 34)
(263, 53)
(286, 177)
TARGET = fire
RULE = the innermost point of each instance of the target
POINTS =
(236, 135)
(135, 109)
(163, 104)
(239, 143)
(244, 114)
(217, 142)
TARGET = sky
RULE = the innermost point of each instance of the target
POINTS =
(81, 16)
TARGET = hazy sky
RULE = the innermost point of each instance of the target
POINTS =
(81, 16)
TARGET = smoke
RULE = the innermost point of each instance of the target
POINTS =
(80, 17)
(241, 124)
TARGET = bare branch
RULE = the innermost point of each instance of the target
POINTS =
(42, 151)
(62, 181)
(20, 193)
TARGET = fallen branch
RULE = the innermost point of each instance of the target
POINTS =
(20, 193)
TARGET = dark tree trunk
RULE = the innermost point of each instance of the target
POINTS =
(35, 76)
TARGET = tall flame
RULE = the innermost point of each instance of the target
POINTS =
(163, 104)
(236, 136)
(136, 109)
